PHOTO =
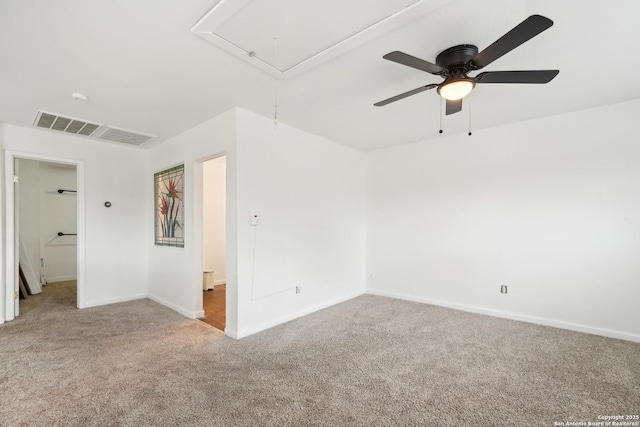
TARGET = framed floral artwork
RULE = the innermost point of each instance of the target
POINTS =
(169, 207)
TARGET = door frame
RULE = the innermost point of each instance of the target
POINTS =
(7, 299)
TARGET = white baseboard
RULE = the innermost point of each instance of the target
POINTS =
(231, 333)
(61, 279)
(219, 282)
(112, 301)
(275, 322)
(184, 312)
(513, 316)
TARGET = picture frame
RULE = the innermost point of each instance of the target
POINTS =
(169, 207)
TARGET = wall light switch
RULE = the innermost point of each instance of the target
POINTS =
(254, 218)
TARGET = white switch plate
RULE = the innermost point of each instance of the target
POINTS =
(254, 218)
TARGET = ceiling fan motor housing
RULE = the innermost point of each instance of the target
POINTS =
(456, 62)
(456, 58)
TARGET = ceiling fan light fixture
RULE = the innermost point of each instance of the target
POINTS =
(454, 90)
(454, 63)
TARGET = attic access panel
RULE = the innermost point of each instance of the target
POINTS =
(306, 33)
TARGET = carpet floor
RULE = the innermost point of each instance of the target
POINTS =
(370, 361)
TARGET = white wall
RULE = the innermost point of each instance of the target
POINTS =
(175, 274)
(57, 213)
(214, 209)
(549, 207)
(310, 195)
(116, 251)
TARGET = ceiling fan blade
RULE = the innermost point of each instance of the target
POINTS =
(526, 30)
(412, 61)
(538, 76)
(404, 95)
(453, 106)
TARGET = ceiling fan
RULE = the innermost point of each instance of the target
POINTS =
(455, 64)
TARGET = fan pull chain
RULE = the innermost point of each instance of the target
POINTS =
(469, 106)
(440, 131)
(275, 116)
(275, 106)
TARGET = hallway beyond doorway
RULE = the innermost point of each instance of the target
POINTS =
(214, 206)
(213, 304)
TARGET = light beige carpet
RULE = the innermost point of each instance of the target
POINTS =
(371, 361)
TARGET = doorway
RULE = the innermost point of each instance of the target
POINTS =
(214, 198)
(46, 225)
(44, 199)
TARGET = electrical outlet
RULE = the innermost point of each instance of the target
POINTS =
(503, 289)
(298, 289)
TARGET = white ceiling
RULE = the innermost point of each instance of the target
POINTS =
(300, 30)
(145, 71)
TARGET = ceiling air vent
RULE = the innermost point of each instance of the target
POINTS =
(125, 136)
(65, 124)
(94, 130)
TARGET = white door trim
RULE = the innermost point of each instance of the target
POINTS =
(11, 275)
